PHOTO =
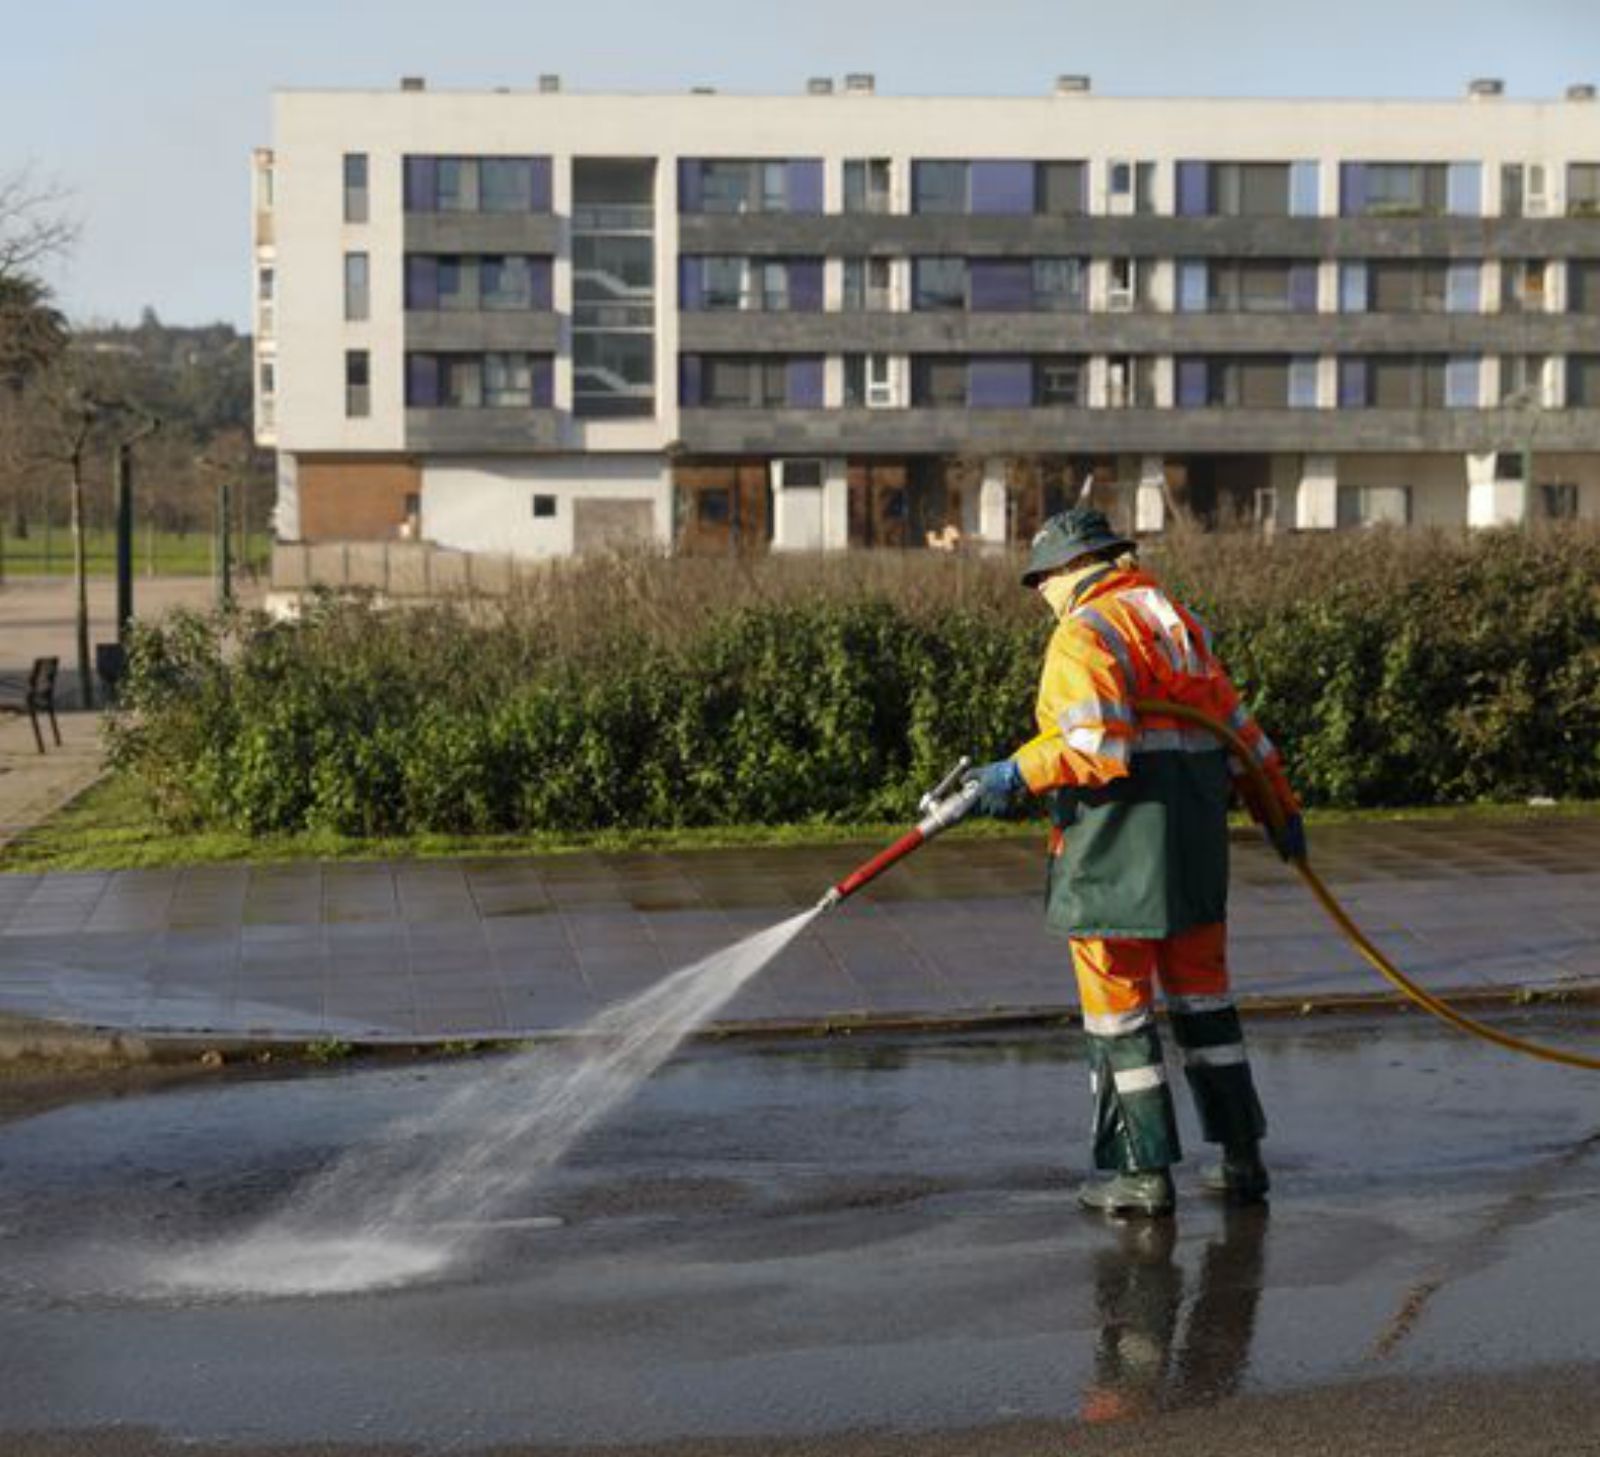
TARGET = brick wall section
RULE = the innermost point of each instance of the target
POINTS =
(355, 500)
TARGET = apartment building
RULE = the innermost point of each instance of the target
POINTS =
(538, 322)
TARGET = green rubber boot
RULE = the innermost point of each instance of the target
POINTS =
(1241, 1177)
(1142, 1194)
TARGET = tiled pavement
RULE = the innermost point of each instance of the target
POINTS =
(463, 949)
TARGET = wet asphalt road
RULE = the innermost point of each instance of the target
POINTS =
(811, 1246)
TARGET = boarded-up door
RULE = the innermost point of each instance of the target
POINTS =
(723, 508)
(602, 525)
(879, 505)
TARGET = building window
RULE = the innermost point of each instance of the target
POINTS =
(938, 187)
(1522, 379)
(723, 283)
(357, 383)
(1407, 286)
(1128, 285)
(1234, 189)
(477, 184)
(1374, 506)
(1063, 189)
(1522, 286)
(1558, 500)
(1060, 380)
(507, 381)
(743, 382)
(1583, 190)
(1131, 187)
(939, 381)
(869, 381)
(1131, 382)
(1249, 382)
(357, 293)
(505, 282)
(505, 184)
(1395, 189)
(1060, 285)
(356, 205)
(267, 376)
(866, 186)
(1583, 381)
(868, 285)
(939, 283)
(720, 185)
(1260, 286)
(266, 282)
(1396, 382)
(771, 291)
(1583, 286)
(544, 507)
(801, 474)
(1524, 190)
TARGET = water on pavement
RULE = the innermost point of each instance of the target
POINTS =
(783, 1239)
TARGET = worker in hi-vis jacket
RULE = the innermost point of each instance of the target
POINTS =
(1139, 857)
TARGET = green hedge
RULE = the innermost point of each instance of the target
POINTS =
(1393, 672)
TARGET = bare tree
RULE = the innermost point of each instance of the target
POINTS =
(34, 228)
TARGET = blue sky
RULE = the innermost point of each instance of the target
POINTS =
(146, 110)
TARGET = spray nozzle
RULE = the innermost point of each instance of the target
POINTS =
(944, 786)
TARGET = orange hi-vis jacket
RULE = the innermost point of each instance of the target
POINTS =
(1140, 799)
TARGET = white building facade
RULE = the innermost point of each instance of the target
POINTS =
(543, 322)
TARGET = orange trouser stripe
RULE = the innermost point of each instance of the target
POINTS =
(1117, 976)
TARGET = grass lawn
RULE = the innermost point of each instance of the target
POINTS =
(107, 828)
(155, 553)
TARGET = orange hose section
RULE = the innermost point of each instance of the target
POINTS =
(1341, 918)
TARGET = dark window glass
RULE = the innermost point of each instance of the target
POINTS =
(1061, 189)
(1583, 189)
(505, 184)
(939, 187)
(458, 184)
(939, 283)
(355, 187)
(939, 380)
(713, 505)
(1060, 284)
(1059, 381)
(866, 186)
(357, 383)
(729, 187)
(544, 506)
(1583, 381)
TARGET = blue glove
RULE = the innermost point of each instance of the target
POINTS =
(1000, 787)
(1290, 840)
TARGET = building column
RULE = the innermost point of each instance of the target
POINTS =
(1492, 500)
(1316, 503)
(1150, 496)
(286, 506)
(992, 502)
(836, 504)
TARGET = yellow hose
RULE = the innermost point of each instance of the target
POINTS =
(1341, 918)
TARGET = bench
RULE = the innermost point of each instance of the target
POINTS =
(39, 697)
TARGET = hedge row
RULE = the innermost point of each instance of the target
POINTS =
(1391, 673)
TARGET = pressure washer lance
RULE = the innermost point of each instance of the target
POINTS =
(939, 808)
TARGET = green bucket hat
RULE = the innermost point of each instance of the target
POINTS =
(1066, 537)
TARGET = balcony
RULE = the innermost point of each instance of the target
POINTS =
(1132, 333)
(771, 235)
(478, 330)
(483, 431)
(952, 431)
(481, 232)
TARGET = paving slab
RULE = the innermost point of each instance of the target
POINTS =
(453, 950)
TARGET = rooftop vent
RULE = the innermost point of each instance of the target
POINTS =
(1486, 88)
(820, 86)
(860, 83)
(413, 83)
(1582, 91)
(1072, 85)
(549, 82)
(702, 91)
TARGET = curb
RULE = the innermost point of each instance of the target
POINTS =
(35, 1041)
